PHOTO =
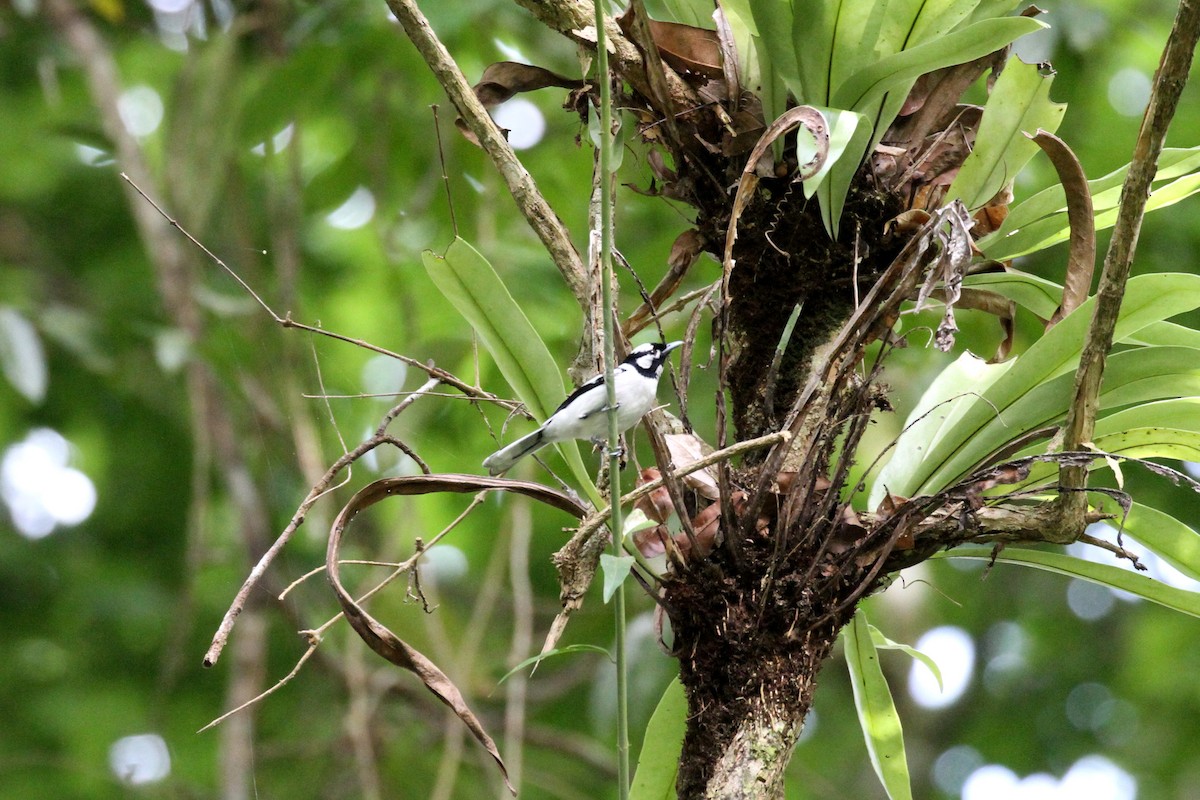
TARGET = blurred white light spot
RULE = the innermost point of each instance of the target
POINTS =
(40, 489)
(1036, 47)
(141, 759)
(1129, 91)
(383, 375)
(1090, 778)
(1192, 468)
(169, 6)
(810, 726)
(279, 141)
(952, 768)
(1096, 778)
(92, 156)
(475, 183)
(1089, 601)
(524, 121)
(991, 782)
(952, 649)
(355, 212)
(141, 110)
(445, 563)
(510, 51)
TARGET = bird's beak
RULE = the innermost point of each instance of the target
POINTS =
(671, 347)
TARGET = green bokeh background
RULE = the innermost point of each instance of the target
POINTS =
(105, 623)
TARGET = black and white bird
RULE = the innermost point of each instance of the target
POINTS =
(584, 414)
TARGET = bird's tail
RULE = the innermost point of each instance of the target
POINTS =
(505, 457)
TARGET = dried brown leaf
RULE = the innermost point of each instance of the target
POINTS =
(1081, 261)
(502, 80)
(377, 636)
(685, 252)
(955, 255)
(683, 47)
(686, 449)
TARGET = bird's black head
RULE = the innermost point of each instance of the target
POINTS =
(649, 358)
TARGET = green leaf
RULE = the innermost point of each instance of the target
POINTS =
(635, 521)
(22, 359)
(1148, 299)
(472, 286)
(882, 642)
(1041, 220)
(1103, 574)
(558, 651)
(1028, 291)
(1171, 540)
(658, 763)
(616, 570)
(959, 47)
(876, 711)
(850, 134)
(1019, 104)
(940, 407)
(773, 21)
(1042, 297)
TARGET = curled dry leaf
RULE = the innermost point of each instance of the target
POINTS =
(685, 251)
(996, 304)
(955, 254)
(729, 58)
(502, 80)
(1081, 260)
(805, 117)
(686, 449)
(706, 524)
(888, 506)
(377, 636)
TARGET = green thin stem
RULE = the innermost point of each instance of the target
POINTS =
(614, 432)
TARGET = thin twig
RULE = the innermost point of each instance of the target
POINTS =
(315, 493)
(287, 321)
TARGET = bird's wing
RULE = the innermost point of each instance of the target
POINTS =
(583, 387)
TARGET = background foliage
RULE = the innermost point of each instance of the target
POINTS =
(268, 130)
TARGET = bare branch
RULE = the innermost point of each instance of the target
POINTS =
(538, 213)
(1169, 81)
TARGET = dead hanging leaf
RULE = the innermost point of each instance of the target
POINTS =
(1081, 260)
(996, 304)
(502, 80)
(931, 162)
(684, 253)
(683, 47)
(687, 449)
(378, 636)
(956, 249)
(706, 524)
